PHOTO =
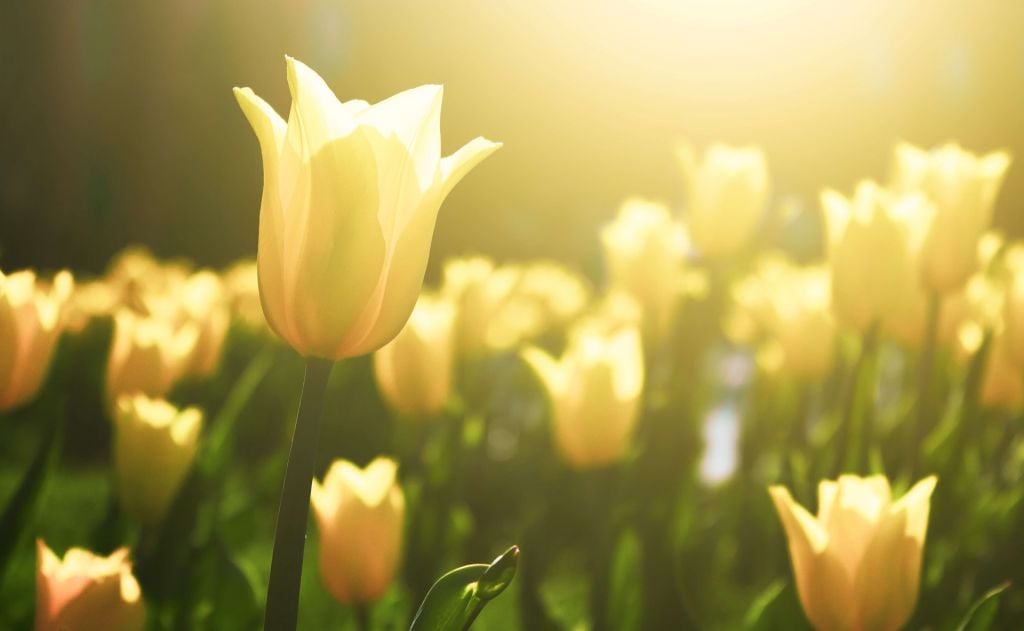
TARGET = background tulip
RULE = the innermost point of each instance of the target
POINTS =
(360, 515)
(86, 592)
(858, 562)
(350, 196)
(414, 370)
(154, 445)
(148, 355)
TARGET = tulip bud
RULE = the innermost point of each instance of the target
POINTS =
(350, 196)
(86, 592)
(154, 446)
(360, 514)
(873, 238)
(858, 562)
(1002, 383)
(594, 391)
(241, 284)
(488, 318)
(414, 370)
(204, 304)
(644, 250)
(148, 355)
(31, 319)
(963, 188)
(727, 191)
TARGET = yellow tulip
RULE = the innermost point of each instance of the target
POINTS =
(1002, 383)
(350, 197)
(204, 303)
(595, 391)
(86, 592)
(414, 370)
(154, 446)
(31, 319)
(147, 356)
(482, 293)
(963, 188)
(360, 515)
(873, 239)
(858, 562)
(1013, 309)
(644, 250)
(727, 191)
(241, 285)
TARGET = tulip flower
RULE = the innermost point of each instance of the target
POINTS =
(154, 446)
(873, 240)
(1002, 383)
(594, 391)
(483, 293)
(31, 319)
(148, 355)
(858, 562)
(1013, 308)
(86, 592)
(241, 284)
(727, 190)
(644, 249)
(414, 370)
(963, 188)
(359, 514)
(350, 197)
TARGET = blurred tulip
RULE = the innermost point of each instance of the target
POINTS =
(727, 191)
(241, 285)
(858, 563)
(90, 300)
(154, 446)
(31, 319)
(595, 391)
(414, 370)
(482, 293)
(963, 188)
(360, 515)
(644, 249)
(86, 592)
(1002, 384)
(147, 356)
(873, 238)
(204, 303)
(350, 197)
(1013, 314)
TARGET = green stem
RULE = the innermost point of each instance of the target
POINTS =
(924, 382)
(852, 399)
(282, 611)
(865, 397)
(362, 612)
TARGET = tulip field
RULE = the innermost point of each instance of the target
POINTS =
(698, 428)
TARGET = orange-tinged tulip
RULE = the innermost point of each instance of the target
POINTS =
(359, 513)
(154, 446)
(350, 197)
(858, 562)
(86, 592)
(147, 356)
(414, 370)
(594, 391)
(31, 319)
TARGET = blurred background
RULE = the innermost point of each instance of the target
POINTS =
(117, 123)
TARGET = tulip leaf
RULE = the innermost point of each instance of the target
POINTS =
(982, 613)
(457, 598)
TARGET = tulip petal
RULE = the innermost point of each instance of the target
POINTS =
(549, 370)
(458, 164)
(415, 117)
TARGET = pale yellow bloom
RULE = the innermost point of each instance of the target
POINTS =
(31, 320)
(645, 250)
(204, 303)
(154, 445)
(414, 370)
(241, 285)
(858, 562)
(480, 290)
(350, 197)
(595, 393)
(360, 515)
(1002, 384)
(963, 188)
(86, 592)
(727, 191)
(873, 240)
(148, 355)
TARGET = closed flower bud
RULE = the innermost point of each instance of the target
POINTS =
(644, 249)
(86, 592)
(154, 445)
(414, 370)
(873, 238)
(727, 191)
(360, 514)
(147, 356)
(203, 303)
(858, 562)
(31, 320)
(963, 188)
(594, 390)
(350, 197)
(241, 285)
(482, 293)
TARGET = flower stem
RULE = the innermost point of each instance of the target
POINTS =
(282, 611)
(924, 382)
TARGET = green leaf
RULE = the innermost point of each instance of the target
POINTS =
(983, 612)
(776, 607)
(457, 598)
